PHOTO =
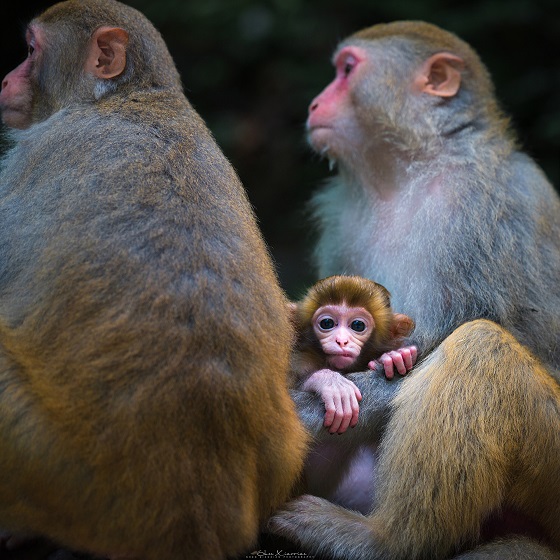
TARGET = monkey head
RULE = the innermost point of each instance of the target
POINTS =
(405, 80)
(348, 320)
(90, 45)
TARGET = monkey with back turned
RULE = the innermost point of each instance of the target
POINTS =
(430, 175)
(144, 408)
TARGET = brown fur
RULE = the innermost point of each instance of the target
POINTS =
(144, 409)
(490, 451)
(435, 186)
(354, 291)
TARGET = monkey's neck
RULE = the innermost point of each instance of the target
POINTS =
(382, 169)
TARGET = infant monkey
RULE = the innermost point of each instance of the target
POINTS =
(345, 324)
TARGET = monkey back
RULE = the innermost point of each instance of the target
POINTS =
(143, 401)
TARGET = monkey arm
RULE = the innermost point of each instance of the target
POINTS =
(375, 408)
(339, 395)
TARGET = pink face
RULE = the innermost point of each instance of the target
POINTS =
(342, 332)
(16, 97)
(331, 114)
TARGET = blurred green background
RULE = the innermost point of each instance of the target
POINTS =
(251, 68)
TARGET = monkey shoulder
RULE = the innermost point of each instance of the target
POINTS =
(150, 203)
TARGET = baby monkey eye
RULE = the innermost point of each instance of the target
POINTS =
(358, 326)
(326, 324)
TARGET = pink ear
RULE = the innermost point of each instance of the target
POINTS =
(401, 326)
(440, 75)
(107, 52)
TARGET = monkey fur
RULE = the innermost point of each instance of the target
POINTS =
(432, 180)
(144, 406)
(330, 471)
(388, 333)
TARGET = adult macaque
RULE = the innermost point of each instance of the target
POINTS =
(144, 407)
(343, 323)
(431, 179)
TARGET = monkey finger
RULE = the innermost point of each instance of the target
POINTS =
(406, 355)
(330, 411)
(387, 362)
(398, 361)
(357, 394)
(409, 355)
(378, 367)
(352, 389)
(355, 410)
(348, 409)
(338, 416)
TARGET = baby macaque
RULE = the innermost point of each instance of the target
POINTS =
(345, 324)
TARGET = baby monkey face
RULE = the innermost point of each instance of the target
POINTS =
(342, 332)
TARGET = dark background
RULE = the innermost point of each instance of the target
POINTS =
(251, 68)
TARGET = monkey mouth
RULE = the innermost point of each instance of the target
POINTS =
(340, 359)
(318, 129)
(313, 127)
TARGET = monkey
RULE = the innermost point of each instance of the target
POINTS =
(430, 174)
(343, 322)
(144, 409)
(379, 330)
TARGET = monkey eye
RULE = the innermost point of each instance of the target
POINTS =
(326, 324)
(346, 64)
(358, 325)
(31, 46)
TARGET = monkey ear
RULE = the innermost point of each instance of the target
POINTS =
(401, 326)
(440, 75)
(107, 52)
(292, 310)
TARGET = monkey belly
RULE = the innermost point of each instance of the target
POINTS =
(344, 478)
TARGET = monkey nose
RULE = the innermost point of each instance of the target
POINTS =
(313, 106)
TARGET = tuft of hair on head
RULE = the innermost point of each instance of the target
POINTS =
(353, 291)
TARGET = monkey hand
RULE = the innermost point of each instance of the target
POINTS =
(340, 396)
(403, 359)
(375, 409)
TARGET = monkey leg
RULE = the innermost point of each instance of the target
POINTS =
(454, 451)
